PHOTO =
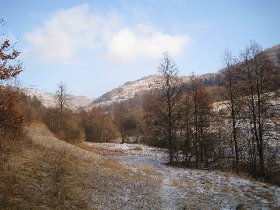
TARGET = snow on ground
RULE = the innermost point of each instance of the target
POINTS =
(189, 188)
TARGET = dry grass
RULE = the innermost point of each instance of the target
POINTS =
(114, 166)
(177, 183)
(139, 148)
(106, 162)
(51, 174)
(90, 149)
(147, 170)
(36, 178)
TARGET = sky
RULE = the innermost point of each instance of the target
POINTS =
(94, 46)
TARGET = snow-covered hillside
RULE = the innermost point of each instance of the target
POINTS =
(127, 90)
(138, 87)
(48, 99)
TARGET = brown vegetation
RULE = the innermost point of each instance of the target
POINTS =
(36, 178)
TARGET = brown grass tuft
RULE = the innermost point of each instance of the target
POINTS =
(138, 147)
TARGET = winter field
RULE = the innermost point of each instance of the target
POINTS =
(134, 176)
(188, 188)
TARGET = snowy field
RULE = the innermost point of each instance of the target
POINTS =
(189, 188)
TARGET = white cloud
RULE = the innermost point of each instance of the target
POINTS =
(68, 32)
(129, 45)
(65, 33)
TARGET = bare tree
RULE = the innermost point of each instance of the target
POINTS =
(194, 84)
(170, 93)
(231, 94)
(120, 118)
(187, 127)
(62, 98)
(201, 116)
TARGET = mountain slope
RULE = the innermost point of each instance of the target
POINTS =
(138, 87)
(48, 99)
(274, 54)
(127, 90)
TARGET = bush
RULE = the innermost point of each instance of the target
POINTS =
(11, 117)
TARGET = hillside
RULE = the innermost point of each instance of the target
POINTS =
(274, 54)
(138, 87)
(48, 99)
(126, 91)
(52, 174)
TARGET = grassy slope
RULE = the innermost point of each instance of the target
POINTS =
(47, 173)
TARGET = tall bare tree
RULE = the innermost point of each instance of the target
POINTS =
(201, 115)
(170, 93)
(231, 94)
(121, 118)
(62, 98)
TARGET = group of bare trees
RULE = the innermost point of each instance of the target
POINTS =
(251, 85)
(181, 117)
(177, 117)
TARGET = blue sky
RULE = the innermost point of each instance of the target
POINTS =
(94, 46)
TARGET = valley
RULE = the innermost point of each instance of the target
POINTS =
(139, 105)
(134, 176)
